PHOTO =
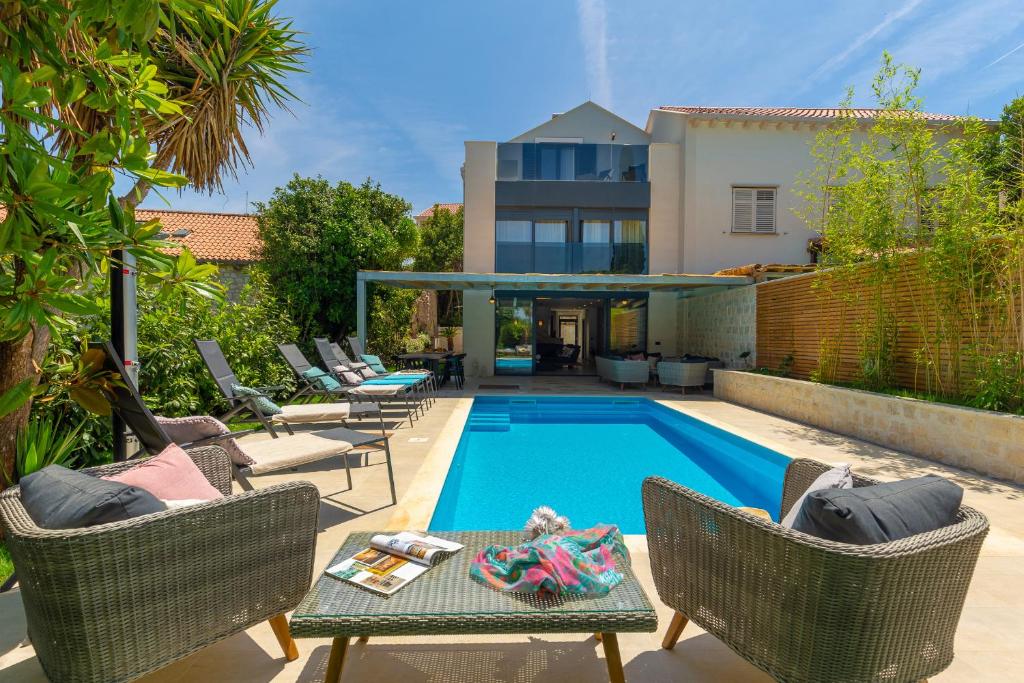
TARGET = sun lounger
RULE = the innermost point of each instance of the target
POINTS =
(248, 456)
(292, 414)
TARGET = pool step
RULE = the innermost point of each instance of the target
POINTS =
(490, 422)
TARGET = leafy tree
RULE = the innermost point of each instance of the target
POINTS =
(93, 89)
(316, 236)
(441, 249)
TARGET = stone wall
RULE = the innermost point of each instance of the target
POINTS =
(234, 277)
(721, 325)
(979, 440)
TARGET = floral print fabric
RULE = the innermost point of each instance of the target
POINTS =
(573, 562)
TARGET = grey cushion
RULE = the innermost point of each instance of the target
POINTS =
(880, 513)
(839, 477)
(58, 498)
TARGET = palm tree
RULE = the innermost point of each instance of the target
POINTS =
(225, 68)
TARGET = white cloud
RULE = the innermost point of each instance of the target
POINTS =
(593, 27)
(840, 59)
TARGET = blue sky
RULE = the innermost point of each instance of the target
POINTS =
(394, 88)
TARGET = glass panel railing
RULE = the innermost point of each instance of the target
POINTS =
(518, 257)
(564, 161)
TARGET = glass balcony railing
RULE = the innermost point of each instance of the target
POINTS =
(524, 257)
(564, 161)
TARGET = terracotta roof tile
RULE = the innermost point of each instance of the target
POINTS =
(794, 112)
(428, 212)
(217, 237)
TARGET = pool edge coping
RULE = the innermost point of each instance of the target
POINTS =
(416, 507)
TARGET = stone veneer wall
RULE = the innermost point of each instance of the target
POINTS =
(722, 325)
(234, 277)
(980, 440)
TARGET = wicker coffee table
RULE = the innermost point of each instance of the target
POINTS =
(446, 601)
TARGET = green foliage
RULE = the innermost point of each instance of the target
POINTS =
(903, 199)
(441, 242)
(6, 564)
(316, 236)
(41, 443)
(512, 333)
(416, 344)
(173, 379)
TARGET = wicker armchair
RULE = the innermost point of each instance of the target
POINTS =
(802, 608)
(115, 601)
(682, 375)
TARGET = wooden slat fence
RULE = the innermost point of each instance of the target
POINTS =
(806, 316)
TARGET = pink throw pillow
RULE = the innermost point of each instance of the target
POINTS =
(635, 356)
(169, 476)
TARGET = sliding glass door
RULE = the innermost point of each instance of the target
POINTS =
(513, 338)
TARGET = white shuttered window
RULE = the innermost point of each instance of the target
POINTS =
(753, 209)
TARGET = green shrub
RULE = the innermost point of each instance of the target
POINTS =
(173, 379)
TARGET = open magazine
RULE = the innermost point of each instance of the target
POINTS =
(391, 562)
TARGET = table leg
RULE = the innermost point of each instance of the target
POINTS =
(612, 658)
(364, 639)
(337, 660)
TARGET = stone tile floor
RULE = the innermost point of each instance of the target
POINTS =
(990, 641)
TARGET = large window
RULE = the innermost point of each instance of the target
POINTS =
(753, 209)
(571, 241)
(572, 161)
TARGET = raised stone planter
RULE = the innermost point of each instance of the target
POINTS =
(980, 440)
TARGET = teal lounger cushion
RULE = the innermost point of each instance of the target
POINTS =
(265, 405)
(374, 362)
(321, 379)
(880, 513)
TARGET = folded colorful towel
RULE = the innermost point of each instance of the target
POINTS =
(574, 562)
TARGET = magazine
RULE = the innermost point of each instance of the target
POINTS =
(391, 562)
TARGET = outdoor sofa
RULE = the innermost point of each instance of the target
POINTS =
(803, 608)
(623, 372)
(115, 601)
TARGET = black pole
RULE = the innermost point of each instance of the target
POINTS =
(117, 328)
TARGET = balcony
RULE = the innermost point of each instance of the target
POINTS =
(575, 162)
(574, 258)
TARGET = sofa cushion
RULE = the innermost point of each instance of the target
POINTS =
(171, 475)
(58, 498)
(880, 513)
(839, 477)
(264, 404)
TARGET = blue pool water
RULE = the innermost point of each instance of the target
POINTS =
(587, 456)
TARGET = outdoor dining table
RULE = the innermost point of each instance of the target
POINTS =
(445, 601)
(429, 360)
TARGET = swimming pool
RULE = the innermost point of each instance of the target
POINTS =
(587, 456)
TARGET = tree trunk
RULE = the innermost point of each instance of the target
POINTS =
(18, 359)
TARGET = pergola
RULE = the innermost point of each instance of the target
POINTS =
(685, 285)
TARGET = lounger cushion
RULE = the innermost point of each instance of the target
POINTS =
(264, 404)
(882, 512)
(374, 362)
(171, 475)
(366, 389)
(269, 455)
(348, 375)
(58, 498)
(305, 413)
(322, 380)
